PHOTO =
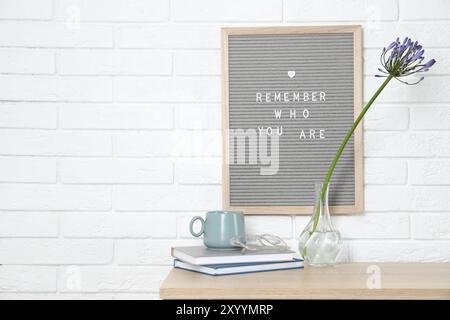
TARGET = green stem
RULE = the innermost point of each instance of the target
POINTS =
(341, 149)
(338, 155)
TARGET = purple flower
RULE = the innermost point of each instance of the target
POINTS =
(401, 59)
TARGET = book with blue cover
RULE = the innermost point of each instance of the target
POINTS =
(238, 268)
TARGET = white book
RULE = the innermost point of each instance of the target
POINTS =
(227, 269)
(200, 255)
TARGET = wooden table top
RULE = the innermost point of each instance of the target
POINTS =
(344, 281)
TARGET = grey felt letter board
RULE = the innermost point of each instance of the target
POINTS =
(290, 94)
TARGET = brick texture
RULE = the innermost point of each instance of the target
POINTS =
(110, 138)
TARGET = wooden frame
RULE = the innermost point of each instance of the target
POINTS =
(358, 207)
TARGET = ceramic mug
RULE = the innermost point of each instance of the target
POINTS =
(219, 228)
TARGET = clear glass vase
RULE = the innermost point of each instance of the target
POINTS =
(321, 247)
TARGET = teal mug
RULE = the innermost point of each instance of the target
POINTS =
(219, 228)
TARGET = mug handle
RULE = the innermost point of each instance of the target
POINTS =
(191, 225)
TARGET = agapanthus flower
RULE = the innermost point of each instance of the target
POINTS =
(399, 60)
(402, 59)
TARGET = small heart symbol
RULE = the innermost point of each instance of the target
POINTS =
(291, 74)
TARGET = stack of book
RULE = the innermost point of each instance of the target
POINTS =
(223, 262)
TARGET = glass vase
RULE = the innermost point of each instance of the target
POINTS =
(321, 247)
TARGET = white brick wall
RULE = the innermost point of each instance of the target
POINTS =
(112, 279)
(35, 225)
(26, 10)
(107, 116)
(26, 61)
(28, 115)
(113, 63)
(118, 171)
(114, 10)
(55, 35)
(345, 10)
(56, 251)
(45, 88)
(32, 278)
(231, 10)
(110, 138)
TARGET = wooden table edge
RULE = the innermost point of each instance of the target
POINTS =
(434, 285)
(332, 294)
